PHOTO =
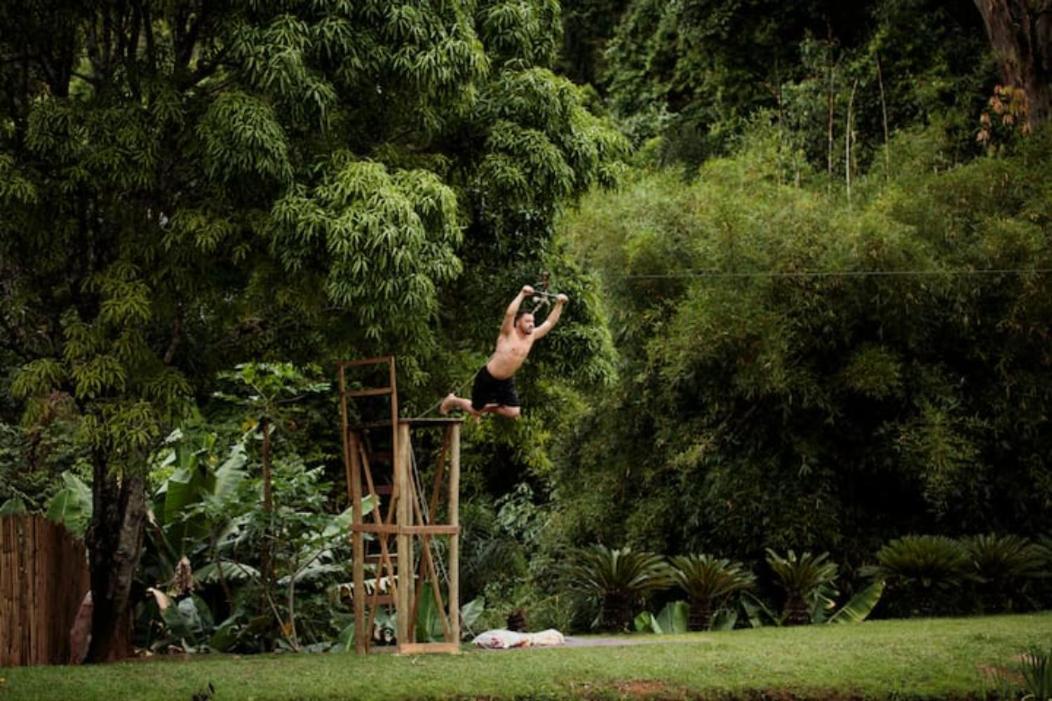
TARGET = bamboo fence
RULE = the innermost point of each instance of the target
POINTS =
(43, 579)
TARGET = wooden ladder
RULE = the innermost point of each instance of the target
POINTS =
(374, 451)
(369, 467)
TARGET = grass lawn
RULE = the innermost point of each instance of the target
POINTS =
(923, 658)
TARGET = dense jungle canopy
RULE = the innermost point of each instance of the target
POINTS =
(186, 187)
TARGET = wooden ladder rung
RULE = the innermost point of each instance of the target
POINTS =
(370, 392)
(373, 558)
(366, 361)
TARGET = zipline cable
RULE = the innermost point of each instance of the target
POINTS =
(439, 402)
(832, 273)
(546, 296)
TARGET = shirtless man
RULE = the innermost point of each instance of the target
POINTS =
(494, 388)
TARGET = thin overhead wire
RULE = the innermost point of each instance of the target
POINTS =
(834, 273)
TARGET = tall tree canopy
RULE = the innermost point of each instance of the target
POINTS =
(697, 71)
(183, 185)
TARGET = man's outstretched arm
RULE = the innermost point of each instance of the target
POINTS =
(553, 318)
(513, 309)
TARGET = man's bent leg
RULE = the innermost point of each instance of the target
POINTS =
(508, 412)
(452, 402)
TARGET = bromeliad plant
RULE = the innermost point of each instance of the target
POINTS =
(709, 582)
(619, 579)
(803, 578)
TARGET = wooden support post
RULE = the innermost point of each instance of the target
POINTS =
(454, 539)
(406, 627)
(353, 471)
(362, 636)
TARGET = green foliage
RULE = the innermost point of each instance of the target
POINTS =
(429, 626)
(206, 511)
(36, 457)
(709, 582)
(519, 31)
(672, 619)
(242, 137)
(271, 390)
(588, 26)
(1036, 668)
(618, 579)
(697, 74)
(188, 624)
(371, 224)
(262, 181)
(12, 507)
(760, 405)
(72, 505)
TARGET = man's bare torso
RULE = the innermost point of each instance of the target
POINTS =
(511, 352)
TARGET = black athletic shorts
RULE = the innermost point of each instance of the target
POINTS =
(489, 390)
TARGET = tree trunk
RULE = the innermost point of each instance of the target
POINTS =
(1020, 33)
(115, 543)
(797, 612)
(700, 617)
(616, 612)
(266, 565)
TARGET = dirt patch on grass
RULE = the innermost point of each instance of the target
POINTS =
(657, 690)
(651, 689)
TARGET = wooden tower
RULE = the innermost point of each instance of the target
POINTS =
(399, 541)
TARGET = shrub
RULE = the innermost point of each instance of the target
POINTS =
(801, 577)
(708, 582)
(619, 579)
(925, 574)
(1004, 567)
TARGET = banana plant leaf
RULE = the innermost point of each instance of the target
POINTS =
(71, 506)
(225, 636)
(758, 613)
(233, 571)
(672, 619)
(470, 613)
(428, 618)
(725, 619)
(861, 604)
(644, 622)
(823, 603)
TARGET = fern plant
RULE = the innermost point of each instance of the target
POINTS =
(801, 577)
(708, 582)
(619, 579)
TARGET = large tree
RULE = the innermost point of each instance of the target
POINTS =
(1020, 33)
(185, 185)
